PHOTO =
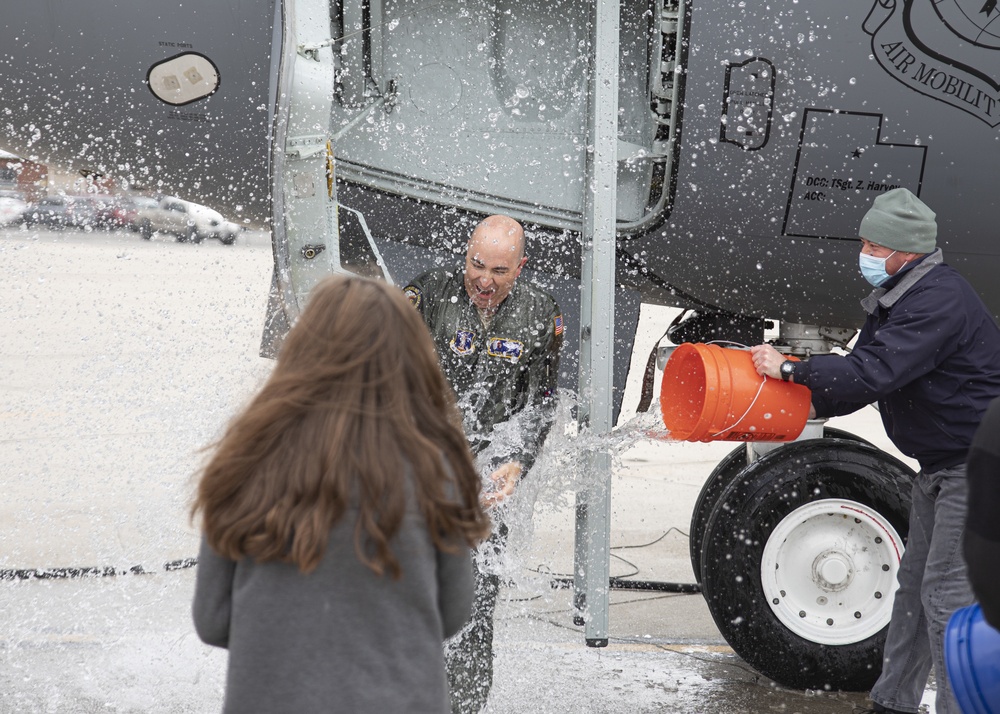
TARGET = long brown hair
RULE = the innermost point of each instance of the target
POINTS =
(356, 401)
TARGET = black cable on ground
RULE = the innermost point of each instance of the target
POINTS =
(89, 572)
(645, 585)
(615, 582)
(619, 582)
(654, 585)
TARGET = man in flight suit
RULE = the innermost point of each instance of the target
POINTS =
(498, 340)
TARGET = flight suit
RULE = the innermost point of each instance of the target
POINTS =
(504, 376)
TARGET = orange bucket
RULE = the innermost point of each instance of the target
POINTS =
(714, 394)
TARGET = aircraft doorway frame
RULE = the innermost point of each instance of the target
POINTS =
(592, 555)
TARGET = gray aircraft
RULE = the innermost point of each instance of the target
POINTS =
(373, 134)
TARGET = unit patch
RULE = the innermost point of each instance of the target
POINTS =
(505, 349)
(414, 295)
(463, 343)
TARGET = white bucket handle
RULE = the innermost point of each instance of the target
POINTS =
(752, 401)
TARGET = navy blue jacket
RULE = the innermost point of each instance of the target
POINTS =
(929, 354)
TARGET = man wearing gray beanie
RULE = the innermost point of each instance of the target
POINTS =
(929, 355)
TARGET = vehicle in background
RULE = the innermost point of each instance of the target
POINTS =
(28, 179)
(142, 203)
(12, 207)
(212, 224)
(119, 213)
(188, 221)
(66, 212)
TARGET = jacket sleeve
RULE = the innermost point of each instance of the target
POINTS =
(419, 290)
(982, 533)
(213, 596)
(826, 406)
(919, 334)
(539, 411)
(456, 587)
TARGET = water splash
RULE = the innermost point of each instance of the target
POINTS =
(561, 471)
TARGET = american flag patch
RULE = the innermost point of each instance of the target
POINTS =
(559, 325)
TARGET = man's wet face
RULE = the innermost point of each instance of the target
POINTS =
(493, 261)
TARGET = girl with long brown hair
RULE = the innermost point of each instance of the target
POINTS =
(338, 511)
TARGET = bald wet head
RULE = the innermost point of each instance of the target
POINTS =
(493, 261)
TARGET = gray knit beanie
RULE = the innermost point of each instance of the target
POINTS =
(901, 221)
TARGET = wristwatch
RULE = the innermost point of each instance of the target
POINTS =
(787, 369)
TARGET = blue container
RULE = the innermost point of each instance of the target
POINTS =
(972, 657)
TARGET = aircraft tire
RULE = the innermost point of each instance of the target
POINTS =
(721, 477)
(799, 561)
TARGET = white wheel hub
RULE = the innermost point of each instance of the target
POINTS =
(829, 571)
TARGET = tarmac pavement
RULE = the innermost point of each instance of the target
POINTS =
(121, 359)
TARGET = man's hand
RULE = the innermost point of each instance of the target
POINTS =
(505, 481)
(767, 360)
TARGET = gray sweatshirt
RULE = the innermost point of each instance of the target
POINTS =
(340, 639)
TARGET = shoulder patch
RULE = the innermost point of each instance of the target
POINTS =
(558, 325)
(413, 294)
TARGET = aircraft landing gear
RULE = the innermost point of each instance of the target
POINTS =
(721, 477)
(799, 553)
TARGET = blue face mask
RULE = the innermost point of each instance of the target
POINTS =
(873, 269)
